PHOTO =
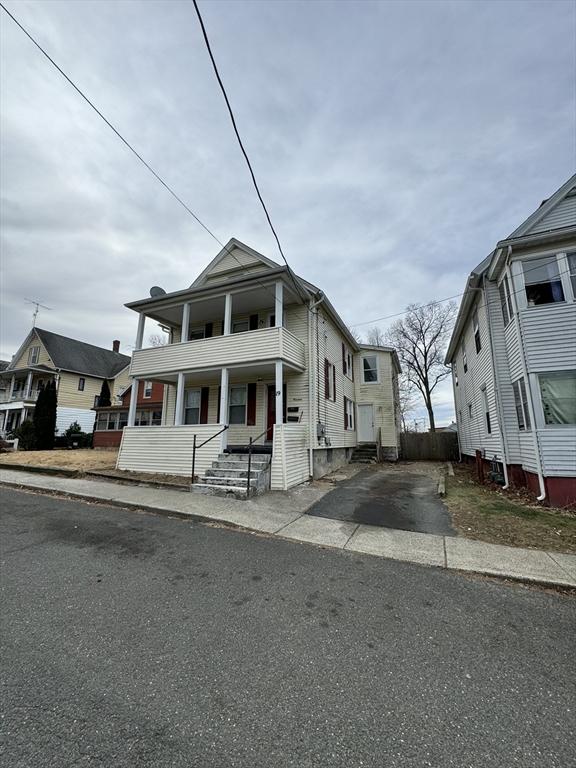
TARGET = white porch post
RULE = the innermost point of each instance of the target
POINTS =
(140, 331)
(185, 321)
(12, 385)
(279, 305)
(224, 379)
(227, 330)
(28, 385)
(133, 402)
(279, 392)
(179, 410)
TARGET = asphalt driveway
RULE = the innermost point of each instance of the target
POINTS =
(405, 500)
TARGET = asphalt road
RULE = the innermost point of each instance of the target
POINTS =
(404, 500)
(134, 640)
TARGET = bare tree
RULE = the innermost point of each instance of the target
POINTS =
(406, 400)
(356, 335)
(420, 338)
(376, 337)
(158, 339)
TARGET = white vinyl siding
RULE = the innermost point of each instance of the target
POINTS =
(562, 215)
(290, 462)
(382, 396)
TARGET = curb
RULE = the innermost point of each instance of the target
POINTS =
(237, 526)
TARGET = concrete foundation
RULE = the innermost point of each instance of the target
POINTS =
(328, 459)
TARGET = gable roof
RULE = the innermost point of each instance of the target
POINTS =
(4, 364)
(554, 213)
(235, 257)
(78, 356)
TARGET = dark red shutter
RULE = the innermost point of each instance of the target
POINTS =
(251, 406)
(345, 415)
(253, 323)
(352, 366)
(218, 409)
(343, 358)
(334, 382)
(326, 379)
(204, 397)
(208, 330)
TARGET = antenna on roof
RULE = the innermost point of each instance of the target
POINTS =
(37, 307)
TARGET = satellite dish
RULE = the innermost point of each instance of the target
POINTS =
(156, 291)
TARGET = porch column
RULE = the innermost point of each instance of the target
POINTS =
(279, 305)
(279, 392)
(133, 402)
(224, 381)
(12, 385)
(140, 331)
(185, 321)
(179, 410)
(227, 330)
(28, 389)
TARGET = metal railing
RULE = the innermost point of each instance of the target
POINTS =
(195, 447)
(250, 447)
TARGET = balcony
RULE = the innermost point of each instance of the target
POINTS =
(19, 396)
(263, 345)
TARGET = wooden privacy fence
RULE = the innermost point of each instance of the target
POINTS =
(429, 446)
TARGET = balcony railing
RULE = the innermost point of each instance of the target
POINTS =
(20, 394)
(263, 345)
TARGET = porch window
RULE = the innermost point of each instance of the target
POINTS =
(572, 271)
(102, 422)
(33, 355)
(156, 418)
(505, 300)
(122, 419)
(476, 326)
(196, 333)
(370, 369)
(142, 418)
(240, 326)
(542, 281)
(81, 384)
(521, 403)
(558, 392)
(147, 387)
(192, 406)
(112, 421)
(237, 406)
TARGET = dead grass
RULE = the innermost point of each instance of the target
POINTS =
(488, 514)
(80, 459)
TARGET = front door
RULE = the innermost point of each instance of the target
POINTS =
(271, 410)
(365, 423)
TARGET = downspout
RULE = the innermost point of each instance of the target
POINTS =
(497, 397)
(312, 376)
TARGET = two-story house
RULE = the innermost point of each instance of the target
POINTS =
(78, 369)
(111, 419)
(513, 353)
(257, 353)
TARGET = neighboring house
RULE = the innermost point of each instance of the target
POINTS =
(513, 353)
(111, 420)
(78, 370)
(452, 427)
(262, 352)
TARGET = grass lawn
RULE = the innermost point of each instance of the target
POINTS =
(485, 513)
(79, 459)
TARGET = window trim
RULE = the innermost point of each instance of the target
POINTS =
(349, 415)
(186, 390)
(36, 349)
(81, 383)
(231, 405)
(541, 415)
(147, 389)
(376, 368)
(521, 401)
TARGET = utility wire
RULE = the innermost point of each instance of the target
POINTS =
(241, 144)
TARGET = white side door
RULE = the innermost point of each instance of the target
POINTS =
(366, 423)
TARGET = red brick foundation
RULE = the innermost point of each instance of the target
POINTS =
(107, 439)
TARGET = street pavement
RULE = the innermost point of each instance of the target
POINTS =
(136, 640)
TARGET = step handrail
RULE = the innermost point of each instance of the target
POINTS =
(195, 447)
(250, 444)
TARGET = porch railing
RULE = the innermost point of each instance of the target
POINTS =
(250, 447)
(196, 447)
(19, 394)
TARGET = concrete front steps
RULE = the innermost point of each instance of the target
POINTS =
(229, 475)
(365, 453)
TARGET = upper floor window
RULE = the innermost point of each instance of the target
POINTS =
(464, 358)
(33, 355)
(370, 369)
(469, 410)
(347, 362)
(572, 271)
(196, 333)
(542, 281)
(240, 326)
(558, 392)
(505, 300)
(147, 389)
(476, 326)
(81, 384)
(521, 403)
(486, 410)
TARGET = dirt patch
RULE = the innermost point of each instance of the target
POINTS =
(81, 459)
(487, 513)
(144, 477)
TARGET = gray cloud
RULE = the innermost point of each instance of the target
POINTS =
(394, 143)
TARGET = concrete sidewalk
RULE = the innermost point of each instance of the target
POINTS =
(283, 514)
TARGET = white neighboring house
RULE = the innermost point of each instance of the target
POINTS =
(513, 353)
(260, 352)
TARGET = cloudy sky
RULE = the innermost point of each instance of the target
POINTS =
(394, 142)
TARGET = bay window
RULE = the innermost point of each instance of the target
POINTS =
(542, 281)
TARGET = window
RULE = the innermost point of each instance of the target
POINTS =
(122, 419)
(469, 410)
(521, 403)
(476, 326)
(192, 406)
(81, 384)
(96, 400)
(147, 389)
(33, 355)
(112, 421)
(102, 422)
(347, 362)
(486, 410)
(464, 358)
(505, 300)
(237, 406)
(542, 281)
(196, 333)
(348, 414)
(142, 418)
(370, 369)
(156, 418)
(329, 380)
(240, 326)
(558, 392)
(572, 271)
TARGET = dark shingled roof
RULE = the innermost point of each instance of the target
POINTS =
(72, 355)
(4, 364)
